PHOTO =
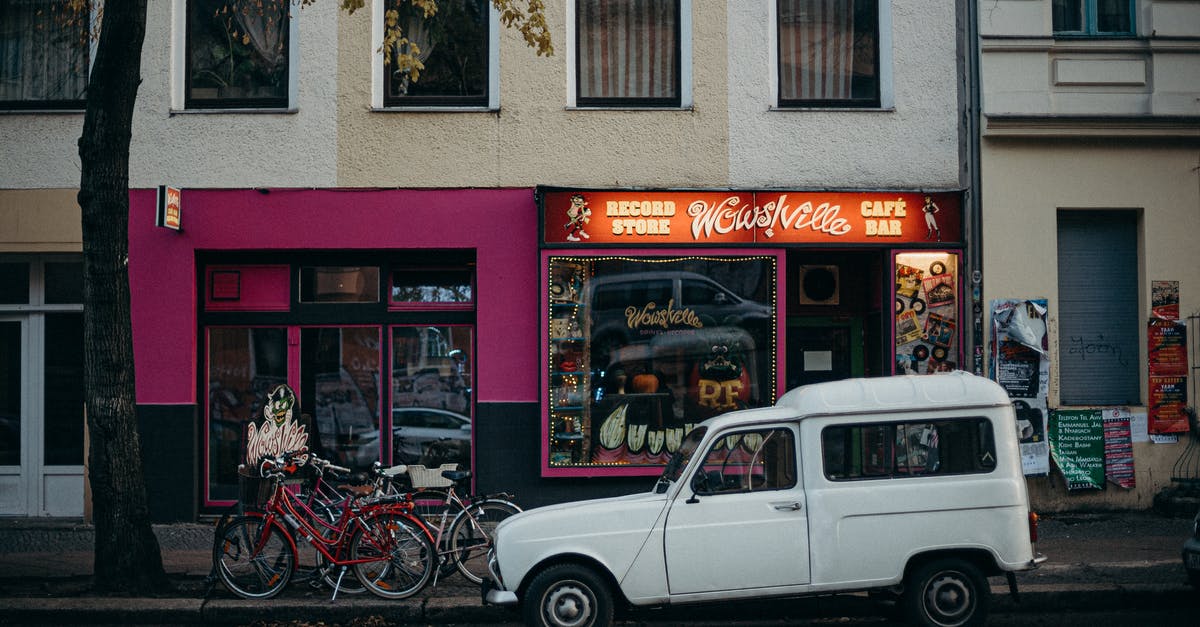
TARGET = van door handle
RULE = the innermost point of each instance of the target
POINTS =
(793, 506)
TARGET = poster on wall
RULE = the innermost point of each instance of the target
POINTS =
(1168, 369)
(1164, 299)
(1020, 363)
(926, 317)
(1118, 447)
(1077, 445)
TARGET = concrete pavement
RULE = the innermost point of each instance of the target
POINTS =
(1096, 561)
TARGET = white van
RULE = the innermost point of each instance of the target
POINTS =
(909, 486)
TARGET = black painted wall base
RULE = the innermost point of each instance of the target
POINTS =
(168, 434)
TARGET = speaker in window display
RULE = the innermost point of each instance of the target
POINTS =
(819, 285)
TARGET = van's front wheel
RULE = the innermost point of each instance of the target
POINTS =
(568, 595)
(947, 593)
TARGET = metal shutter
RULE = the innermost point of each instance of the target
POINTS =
(1098, 308)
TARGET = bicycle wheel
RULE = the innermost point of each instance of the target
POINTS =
(471, 536)
(429, 505)
(253, 561)
(401, 557)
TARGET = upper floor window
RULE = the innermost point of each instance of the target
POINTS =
(829, 53)
(629, 53)
(44, 54)
(237, 54)
(439, 60)
(1093, 17)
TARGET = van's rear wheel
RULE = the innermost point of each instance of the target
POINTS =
(946, 593)
(568, 595)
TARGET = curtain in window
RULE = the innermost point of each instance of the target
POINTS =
(816, 49)
(43, 55)
(628, 48)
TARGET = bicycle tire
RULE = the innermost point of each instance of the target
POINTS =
(402, 557)
(470, 541)
(428, 505)
(254, 562)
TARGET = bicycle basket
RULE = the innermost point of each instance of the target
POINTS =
(424, 477)
(254, 490)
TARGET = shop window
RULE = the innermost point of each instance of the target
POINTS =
(431, 394)
(44, 54)
(927, 329)
(1098, 328)
(895, 450)
(643, 349)
(11, 406)
(63, 397)
(828, 53)
(14, 283)
(440, 60)
(339, 284)
(339, 389)
(244, 365)
(437, 287)
(629, 52)
(64, 282)
(237, 54)
(1093, 17)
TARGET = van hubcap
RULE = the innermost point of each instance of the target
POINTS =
(948, 599)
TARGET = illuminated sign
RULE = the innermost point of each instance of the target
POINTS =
(731, 217)
(168, 214)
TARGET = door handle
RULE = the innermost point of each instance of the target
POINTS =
(793, 506)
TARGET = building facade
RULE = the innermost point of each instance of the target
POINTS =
(1090, 132)
(777, 192)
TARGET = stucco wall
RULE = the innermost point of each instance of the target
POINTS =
(534, 138)
(1025, 182)
(913, 145)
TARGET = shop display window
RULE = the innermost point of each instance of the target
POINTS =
(927, 320)
(438, 287)
(641, 349)
(432, 370)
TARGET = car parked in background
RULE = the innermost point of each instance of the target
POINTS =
(430, 436)
(1191, 554)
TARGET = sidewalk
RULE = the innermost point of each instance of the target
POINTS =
(1101, 560)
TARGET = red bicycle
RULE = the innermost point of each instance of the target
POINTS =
(378, 539)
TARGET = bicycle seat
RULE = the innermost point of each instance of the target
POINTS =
(394, 471)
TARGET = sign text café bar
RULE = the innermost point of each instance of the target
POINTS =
(733, 217)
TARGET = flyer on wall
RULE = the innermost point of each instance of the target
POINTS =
(1118, 447)
(1077, 444)
(1020, 363)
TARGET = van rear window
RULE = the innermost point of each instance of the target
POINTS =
(907, 449)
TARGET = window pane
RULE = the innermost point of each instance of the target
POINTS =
(749, 462)
(64, 389)
(43, 54)
(14, 283)
(452, 48)
(339, 284)
(1067, 16)
(431, 395)
(877, 451)
(432, 286)
(237, 53)
(339, 385)
(64, 283)
(1112, 16)
(628, 52)
(11, 363)
(829, 52)
(244, 365)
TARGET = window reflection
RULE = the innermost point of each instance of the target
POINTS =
(339, 387)
(431, 394)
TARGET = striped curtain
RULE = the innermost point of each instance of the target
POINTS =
(42, 57)
(816, 49)
(628, 48)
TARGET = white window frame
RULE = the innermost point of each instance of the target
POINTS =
(685, 60)
(178, 61)
(377, 89)
(887, 91)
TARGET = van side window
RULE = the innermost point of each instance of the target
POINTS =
(748, 462)
(907, 449)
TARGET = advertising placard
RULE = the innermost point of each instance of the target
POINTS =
(1077, 445)
(1118, 447)
(1168, 398)
(1021, 365)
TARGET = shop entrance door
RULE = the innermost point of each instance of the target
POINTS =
(14, 423)
(823, 349)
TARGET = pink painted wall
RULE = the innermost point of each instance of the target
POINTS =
(501, 224)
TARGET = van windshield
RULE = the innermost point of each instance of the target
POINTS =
(680, 459)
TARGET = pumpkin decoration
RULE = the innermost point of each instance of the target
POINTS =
(645, 383)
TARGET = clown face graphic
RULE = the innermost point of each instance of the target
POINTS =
(279, 405)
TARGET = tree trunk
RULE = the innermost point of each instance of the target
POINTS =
(127, 558)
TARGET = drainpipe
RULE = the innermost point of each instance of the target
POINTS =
(973, 222)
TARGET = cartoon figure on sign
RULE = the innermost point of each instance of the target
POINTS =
(279, 405)
(931, 224)
(578, 214)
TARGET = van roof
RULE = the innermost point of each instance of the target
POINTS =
(935, 391)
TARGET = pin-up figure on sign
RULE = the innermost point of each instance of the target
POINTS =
(578, 214)
(930, 208)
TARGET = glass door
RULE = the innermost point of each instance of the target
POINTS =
(14, 427)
